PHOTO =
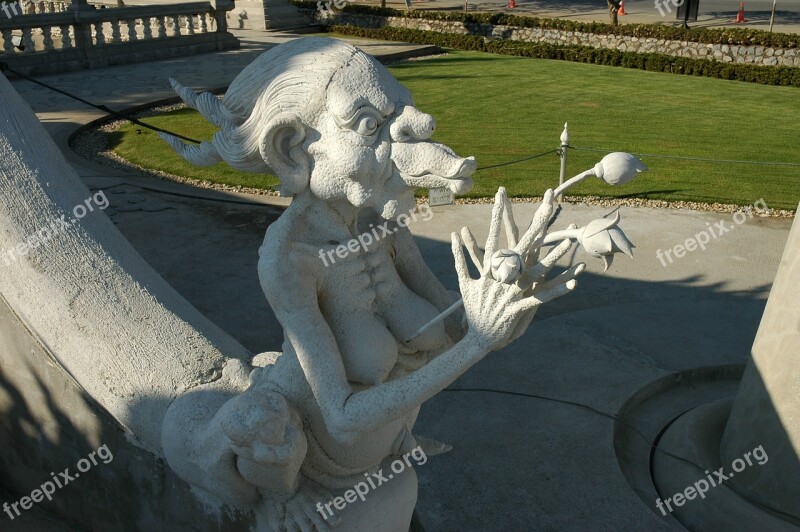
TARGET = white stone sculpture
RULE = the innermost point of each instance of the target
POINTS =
(327, 416)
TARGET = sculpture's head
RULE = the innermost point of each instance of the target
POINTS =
(322, 115)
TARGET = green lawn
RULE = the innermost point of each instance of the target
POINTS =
(501, 108)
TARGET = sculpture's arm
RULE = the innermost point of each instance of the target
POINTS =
(417, 276)
(415, 272)
(493, 310)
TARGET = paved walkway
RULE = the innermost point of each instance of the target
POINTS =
(518, 463)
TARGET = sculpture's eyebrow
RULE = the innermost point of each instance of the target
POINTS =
(361, 103)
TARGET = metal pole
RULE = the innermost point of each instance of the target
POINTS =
(772, 18)
(563, 153)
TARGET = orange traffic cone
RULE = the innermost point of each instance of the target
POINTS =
(511, 4)
(740, 15)
(621, 10)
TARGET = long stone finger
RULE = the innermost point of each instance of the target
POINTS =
(571, 273)
(494, 230)
(557, 291)
(460, 262)
(512, 231)
(537, 226)
(475, 252)
(547, 263)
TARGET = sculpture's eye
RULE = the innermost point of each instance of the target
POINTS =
(366, 121)
(367, 125)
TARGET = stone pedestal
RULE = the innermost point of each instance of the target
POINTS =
(767, 408)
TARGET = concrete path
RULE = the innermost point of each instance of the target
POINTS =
(519, 462)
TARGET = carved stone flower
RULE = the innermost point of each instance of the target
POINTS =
(603, 238)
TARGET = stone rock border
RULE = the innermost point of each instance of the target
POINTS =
(91, 144)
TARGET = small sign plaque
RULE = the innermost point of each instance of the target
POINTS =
(440, 196)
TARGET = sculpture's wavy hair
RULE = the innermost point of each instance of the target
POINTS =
(291, 77)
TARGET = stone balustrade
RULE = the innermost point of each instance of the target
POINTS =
(31, 8)
(53, 36)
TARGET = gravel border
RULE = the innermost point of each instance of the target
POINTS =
(92, 144)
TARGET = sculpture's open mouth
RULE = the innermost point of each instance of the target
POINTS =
(433, 165)
(458, 186)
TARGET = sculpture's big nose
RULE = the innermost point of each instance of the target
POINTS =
(412, 124)
(422, 162)
(430, 164)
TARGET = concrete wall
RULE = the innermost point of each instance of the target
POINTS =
(757, 55)
(766, 411)
(94, 347)
(48, 423)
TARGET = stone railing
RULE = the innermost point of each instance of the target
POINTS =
(34, 8)
(86, 37)
(756, 55)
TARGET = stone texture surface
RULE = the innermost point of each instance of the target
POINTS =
(87, 293)
(767, 408)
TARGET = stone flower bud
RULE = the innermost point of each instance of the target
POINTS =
(506, 266)
(618, 168)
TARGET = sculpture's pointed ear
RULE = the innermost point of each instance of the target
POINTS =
(281, 147)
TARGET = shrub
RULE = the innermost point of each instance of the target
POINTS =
(734, 36)
(766, 75)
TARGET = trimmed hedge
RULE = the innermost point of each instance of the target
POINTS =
(765, 75)
(734, 36)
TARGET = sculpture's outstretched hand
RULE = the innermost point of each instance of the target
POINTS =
(502, 303)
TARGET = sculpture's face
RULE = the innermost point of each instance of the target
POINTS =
(373, 146)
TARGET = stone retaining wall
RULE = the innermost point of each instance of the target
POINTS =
(757, 55)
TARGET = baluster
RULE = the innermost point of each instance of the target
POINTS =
(8, 45)
(131, 30)
(147, 22)
(39, 7)
(66, 42)
(48, 38)
(190, 25)
(212, 23)
(100, 39)
(162, 28)
(203, 26)
(116, 36)
(51, 7)
(27, 41)
(176, 20)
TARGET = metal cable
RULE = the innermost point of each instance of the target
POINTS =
(4, 67)
(686, 158)
(517, 161)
